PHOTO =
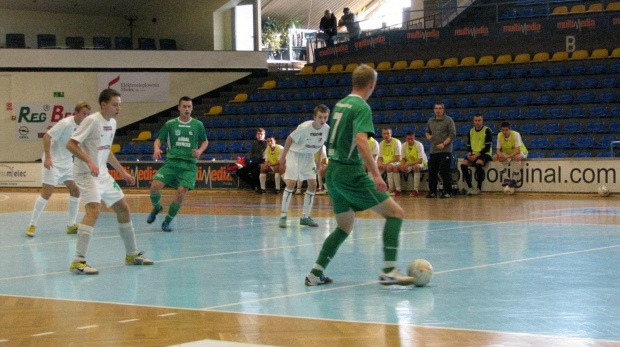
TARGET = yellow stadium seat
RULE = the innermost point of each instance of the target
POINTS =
(595, 8)
(384, 66)
(468, 61)
(433, 63)
(559, 56)
(450, 62)
(240, 98)
(486, 60)
(321, 69)
(371, 64)
(560, 10)
(115, 148)
(578, 9)
(336, 68)
(416, 64)
(306, 70)
(503, 59)
(142, 136)
(350, 67)
(613, 6)
(615, 53)
(268, 85)
(600, 53)
(540, 57)
(522, 58)
(579, 55)
(400, 65)
(214, 111)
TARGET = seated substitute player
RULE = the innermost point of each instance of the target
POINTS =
(90, 144)
(510, 151)
(479, 142)
(298, 162)
(250, 173)
(272, 164)
(414, 160)
(351, 189)
(374, 151)
(58, 167)
(389, 159)
(187, 139)
(321, 163)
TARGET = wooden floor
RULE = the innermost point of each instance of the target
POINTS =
(60, 321)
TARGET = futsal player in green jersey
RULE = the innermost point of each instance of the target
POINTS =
(350, 188)
(187, 139)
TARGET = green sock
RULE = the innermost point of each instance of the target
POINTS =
(391, 231)
(329, 249)
(155, 198)
(172, 211)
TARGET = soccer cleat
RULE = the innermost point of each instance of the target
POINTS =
(165, 226)
(260, 191)
(390, 192)
(298, 192)
(308, 221)
(137, 259)
(506, 182)
(512, 184)
(321, 192)
(476, 191)
(394, 277)
(414, 192)
(30, 231)
(431, 195)
(312, 280)
(397, 192)
(154, 214)
(72, 229)
(470, 191)
(282, 222)
(277, 191)
(81, 268)
(444, 195)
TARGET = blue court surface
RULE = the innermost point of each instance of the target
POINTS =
(530, 276)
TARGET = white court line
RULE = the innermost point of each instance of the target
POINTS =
(3, 198)
(167, 314)
(4, 340)
(44, 334)
(128, 320)
(87, 327)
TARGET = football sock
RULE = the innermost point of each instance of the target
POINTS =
(329, 249)
(172, 211)
(74, 206)
(391, 231)
(155, 200)
(39, 206)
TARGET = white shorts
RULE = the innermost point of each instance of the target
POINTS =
(422, 167)
(57, 174)
(300, 166)
(93, 189)
(523, 156)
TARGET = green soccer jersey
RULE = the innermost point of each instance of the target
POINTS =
(182, 138)
(350, 116)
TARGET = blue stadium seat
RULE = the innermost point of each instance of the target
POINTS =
(527, 86)
(284, 96)
(605, 141)
(572, 128)
(589, 83)
(397, 117)
(415, 117)
(554, 112)
(510, 14)
(550, 129)
(410, 104)
(448, 102)
(235, 134)
(308, 107)
(392, 104)
(248, 144)
(568, 84)
(392, 79)
(542, 12)
(316, 94)
(577, 70)
(292, 108)
(606, 154)
(446, 76)
(465, 102)
(582, 155)
(526, 13)
(558, 155)
(128, 148)
(513, 113)
(518, 72)
(246, 122)
(508, 87)
(399, 91)
(379, 118)
(458, 145)
(284, 84)
(492, 127)
(598, 111)
(584, 142)
(490, 87)
(375, 105)
(481, 75)
(529, 129)
(607, 97)
(504, 100)
(561, 143)
(609, 82)
(538, 71)
(463, 76)
(255, 97)
(597, 69)
(229, 109)
(236, 147)
(207, 157)
(406, 129)
(282, 134)
(539, 143)
(329, 82)
(428, 103)
(595, 128)
(585, 98)
(615, 112)
(524, 100)
(219, 147)
(427, 77)
(492, 114)
(576, 112)
(411, 78)
(270, 96)
(345, 81)
(533, 113)
(484, 101)
(548, 85)
(292, 121)
(470, 88)
(225, 157)
(276, 121)
(615, 68)
(558, 70)
(416, 90)
(313, 82)
(381, 92)
(454, 114)
(245, 109)
(452, 89)
(463, 129)
(434, 90)
(301, 95)
(421, 131)
(614, 127)
(131, 158)
(564, 98)
(230, 123)
(299, 83)
(535, 155)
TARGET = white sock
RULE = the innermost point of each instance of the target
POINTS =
(396, 177)
(74, 207)
(308, 201)
(390, 177)
(263, 180)
(129, 238)
(278, 179)
(39, 206)
(286, 200)
(416, 180)
(84, 234)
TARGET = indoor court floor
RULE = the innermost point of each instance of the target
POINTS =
(523, 270)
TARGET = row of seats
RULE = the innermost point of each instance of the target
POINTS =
(579, 9)
(502, 59)
(99, 42)
(569, 128)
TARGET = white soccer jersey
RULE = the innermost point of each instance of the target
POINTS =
(95, 136)
(306, 139)
(374, 149)
(60, 134)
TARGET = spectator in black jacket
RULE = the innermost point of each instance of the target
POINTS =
(329, 28)
(251, 172)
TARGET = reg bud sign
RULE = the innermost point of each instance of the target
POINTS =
(35, 119)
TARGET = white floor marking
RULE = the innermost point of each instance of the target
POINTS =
(128, 320)
(87, 327)
(43, 334)
(167, 314)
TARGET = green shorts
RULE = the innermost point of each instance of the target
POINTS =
(350, 188)
(177, 173)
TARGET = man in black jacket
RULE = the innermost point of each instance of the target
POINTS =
(329, 28)
(251, 172)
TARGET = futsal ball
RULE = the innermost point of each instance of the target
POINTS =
(509, 190)
(603, 190)
(421, 270)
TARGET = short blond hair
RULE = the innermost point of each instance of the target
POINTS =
(363, 75)
(80, 105)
